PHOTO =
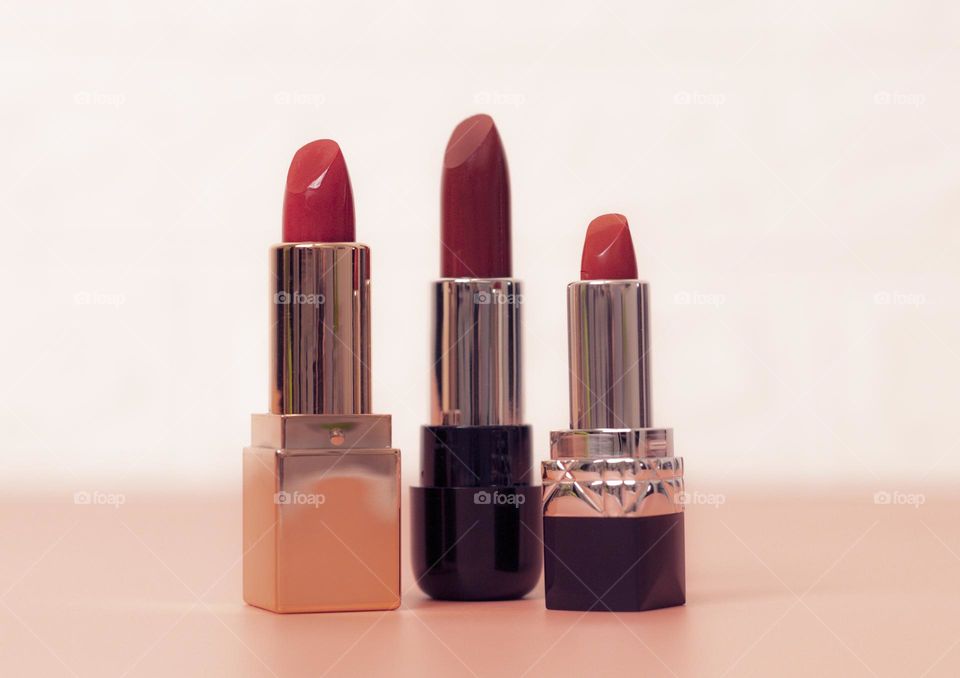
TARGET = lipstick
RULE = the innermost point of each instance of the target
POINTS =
(608, 250)
(475, 518)
(318, 201)
(613, 529)
(321, 480)
(475, 203)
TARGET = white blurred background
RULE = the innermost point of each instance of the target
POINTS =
(789, 171)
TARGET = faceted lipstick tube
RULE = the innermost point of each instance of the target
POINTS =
(475, 518)
(321, 480)
(612, 490)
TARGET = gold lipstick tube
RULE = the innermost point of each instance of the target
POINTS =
(321, 480)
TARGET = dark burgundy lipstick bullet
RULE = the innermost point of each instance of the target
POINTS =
(475, 203)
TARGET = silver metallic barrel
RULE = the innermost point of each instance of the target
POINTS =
(320, 334)
(476, 353)
(603, 443)
(609, 354)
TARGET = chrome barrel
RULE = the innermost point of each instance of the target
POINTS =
(609, 355)
(476, 353)
(320, 332)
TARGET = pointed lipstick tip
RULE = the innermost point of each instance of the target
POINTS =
(466, 138)
(608, 250)
(318, 205)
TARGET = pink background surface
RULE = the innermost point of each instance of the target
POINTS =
(790, 585)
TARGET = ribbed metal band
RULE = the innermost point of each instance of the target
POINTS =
(613, 488)
(612, 473)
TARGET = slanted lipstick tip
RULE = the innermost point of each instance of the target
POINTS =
(467, 138)
(310, 163)
(475, 203)
(608, 250)
(318, 205)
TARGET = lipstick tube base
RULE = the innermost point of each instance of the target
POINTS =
(613, 538)
(321, 514)
(614, 564)
(476, 523)
(476, 543)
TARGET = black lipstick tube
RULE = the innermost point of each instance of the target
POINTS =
(612, 490)
(475, 518)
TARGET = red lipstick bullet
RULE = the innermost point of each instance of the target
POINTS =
(475, 203)
(608, 250)
(318, 204)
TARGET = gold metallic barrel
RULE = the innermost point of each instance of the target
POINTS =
(320, 334)
(609, 354)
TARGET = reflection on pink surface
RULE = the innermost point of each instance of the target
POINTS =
(150, 586)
